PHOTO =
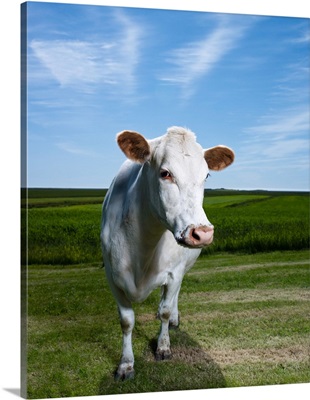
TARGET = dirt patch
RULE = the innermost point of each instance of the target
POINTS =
(144, 318)
(188, 355)
(233, 268)
(254, 315)
(192, 355)
(246, 295)
(296, 353)
(222, 357)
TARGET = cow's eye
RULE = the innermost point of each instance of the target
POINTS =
(164, 174)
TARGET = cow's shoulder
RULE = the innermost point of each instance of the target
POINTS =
(124, 179)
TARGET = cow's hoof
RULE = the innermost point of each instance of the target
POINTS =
(123, 374)
(163, 355)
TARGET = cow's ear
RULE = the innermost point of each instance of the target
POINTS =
(134, 145)
(219, 157)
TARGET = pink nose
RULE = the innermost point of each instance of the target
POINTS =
(201, 236)
(197, 236)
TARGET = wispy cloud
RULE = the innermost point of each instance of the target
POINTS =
(74, 149)
(303, 38)
(70, 62)
(282, 134)
(291, 122)
(293, 86)
(197, 59)
(280, 143)
(285, 148)
(86, 64)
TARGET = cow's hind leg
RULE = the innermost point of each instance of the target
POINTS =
(168, 316)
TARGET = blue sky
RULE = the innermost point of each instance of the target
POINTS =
(238, 80)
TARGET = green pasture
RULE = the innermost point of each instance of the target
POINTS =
(67, 233)
(244, 306)
(65, 197)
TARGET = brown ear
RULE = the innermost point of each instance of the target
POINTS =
(219, 157)
(134, 145)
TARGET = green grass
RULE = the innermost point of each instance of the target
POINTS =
(63, 234)
(243, 322)
(258, 224)
(244, 306)
(68, 231)
(55, 197)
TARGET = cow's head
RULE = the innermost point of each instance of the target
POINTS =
(176, 168)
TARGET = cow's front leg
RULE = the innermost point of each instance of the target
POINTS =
(125, 369)
(174, 320)
(168, 316)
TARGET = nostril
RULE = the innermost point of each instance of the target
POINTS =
(198, 236)
(195, 235)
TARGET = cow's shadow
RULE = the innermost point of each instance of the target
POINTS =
(191, 367)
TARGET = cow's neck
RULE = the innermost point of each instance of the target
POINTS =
(150, 227)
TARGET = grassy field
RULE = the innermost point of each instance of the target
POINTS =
(244, 306)
(64, 230)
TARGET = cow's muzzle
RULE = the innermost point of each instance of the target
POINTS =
(196, 236)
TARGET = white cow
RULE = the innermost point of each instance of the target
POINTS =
(154, 226)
